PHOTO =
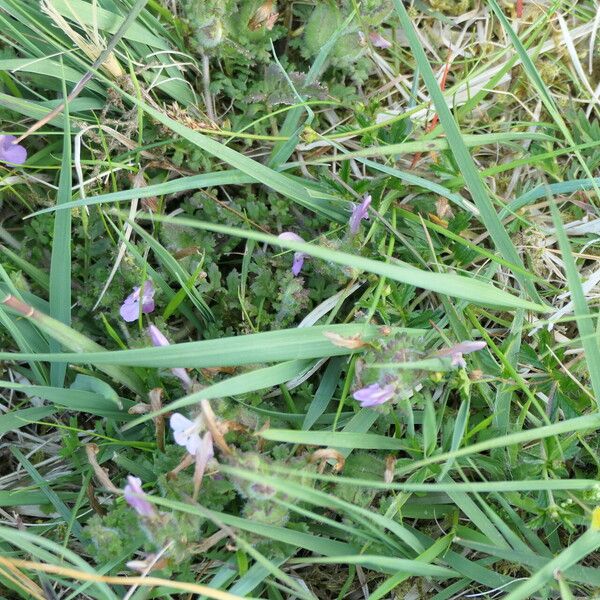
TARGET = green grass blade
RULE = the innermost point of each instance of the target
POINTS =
(271, 346)
(60, 262)
(252, 381)
(182, 184)
(20, 418)
(476, 291)
(324, 393)
(339, 439)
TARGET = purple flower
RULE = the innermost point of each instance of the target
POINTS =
(130, 309)
(158, 339)
(456, 352)
(359, 212)
(11, 152)
(135, 497)
(379, 41)
(187, 433)
(374, 394)
(298, 256)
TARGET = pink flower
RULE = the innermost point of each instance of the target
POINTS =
(158, 339)
(135, 497)
(130, 309)
(359, 212)
(11, 152)
(379, 41)
(456, 352)
(374, 394)
(298, 256)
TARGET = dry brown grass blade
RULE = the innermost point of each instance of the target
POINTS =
(194, 588)
(19, 579)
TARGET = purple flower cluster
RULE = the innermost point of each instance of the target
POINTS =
(360, 212)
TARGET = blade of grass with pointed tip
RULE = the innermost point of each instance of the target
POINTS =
(72, 399)
(271, 346)
(182, 184)
(564, 187)
(473, 290)
(465, 162)
(60, 261)
(324, 392)
(259, 379)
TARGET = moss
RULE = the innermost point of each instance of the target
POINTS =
(451, 7)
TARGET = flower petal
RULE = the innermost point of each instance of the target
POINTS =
(378, 40)
(298, 262)
(359, 212)
(469, 346)
(130, 310)
(178, 422)
(135, 497)
(374, 394)
(11, 152)
(290, 236)
(148, 307)
(183, 376)
(156, 336)
(193, 443)
(147, 296)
